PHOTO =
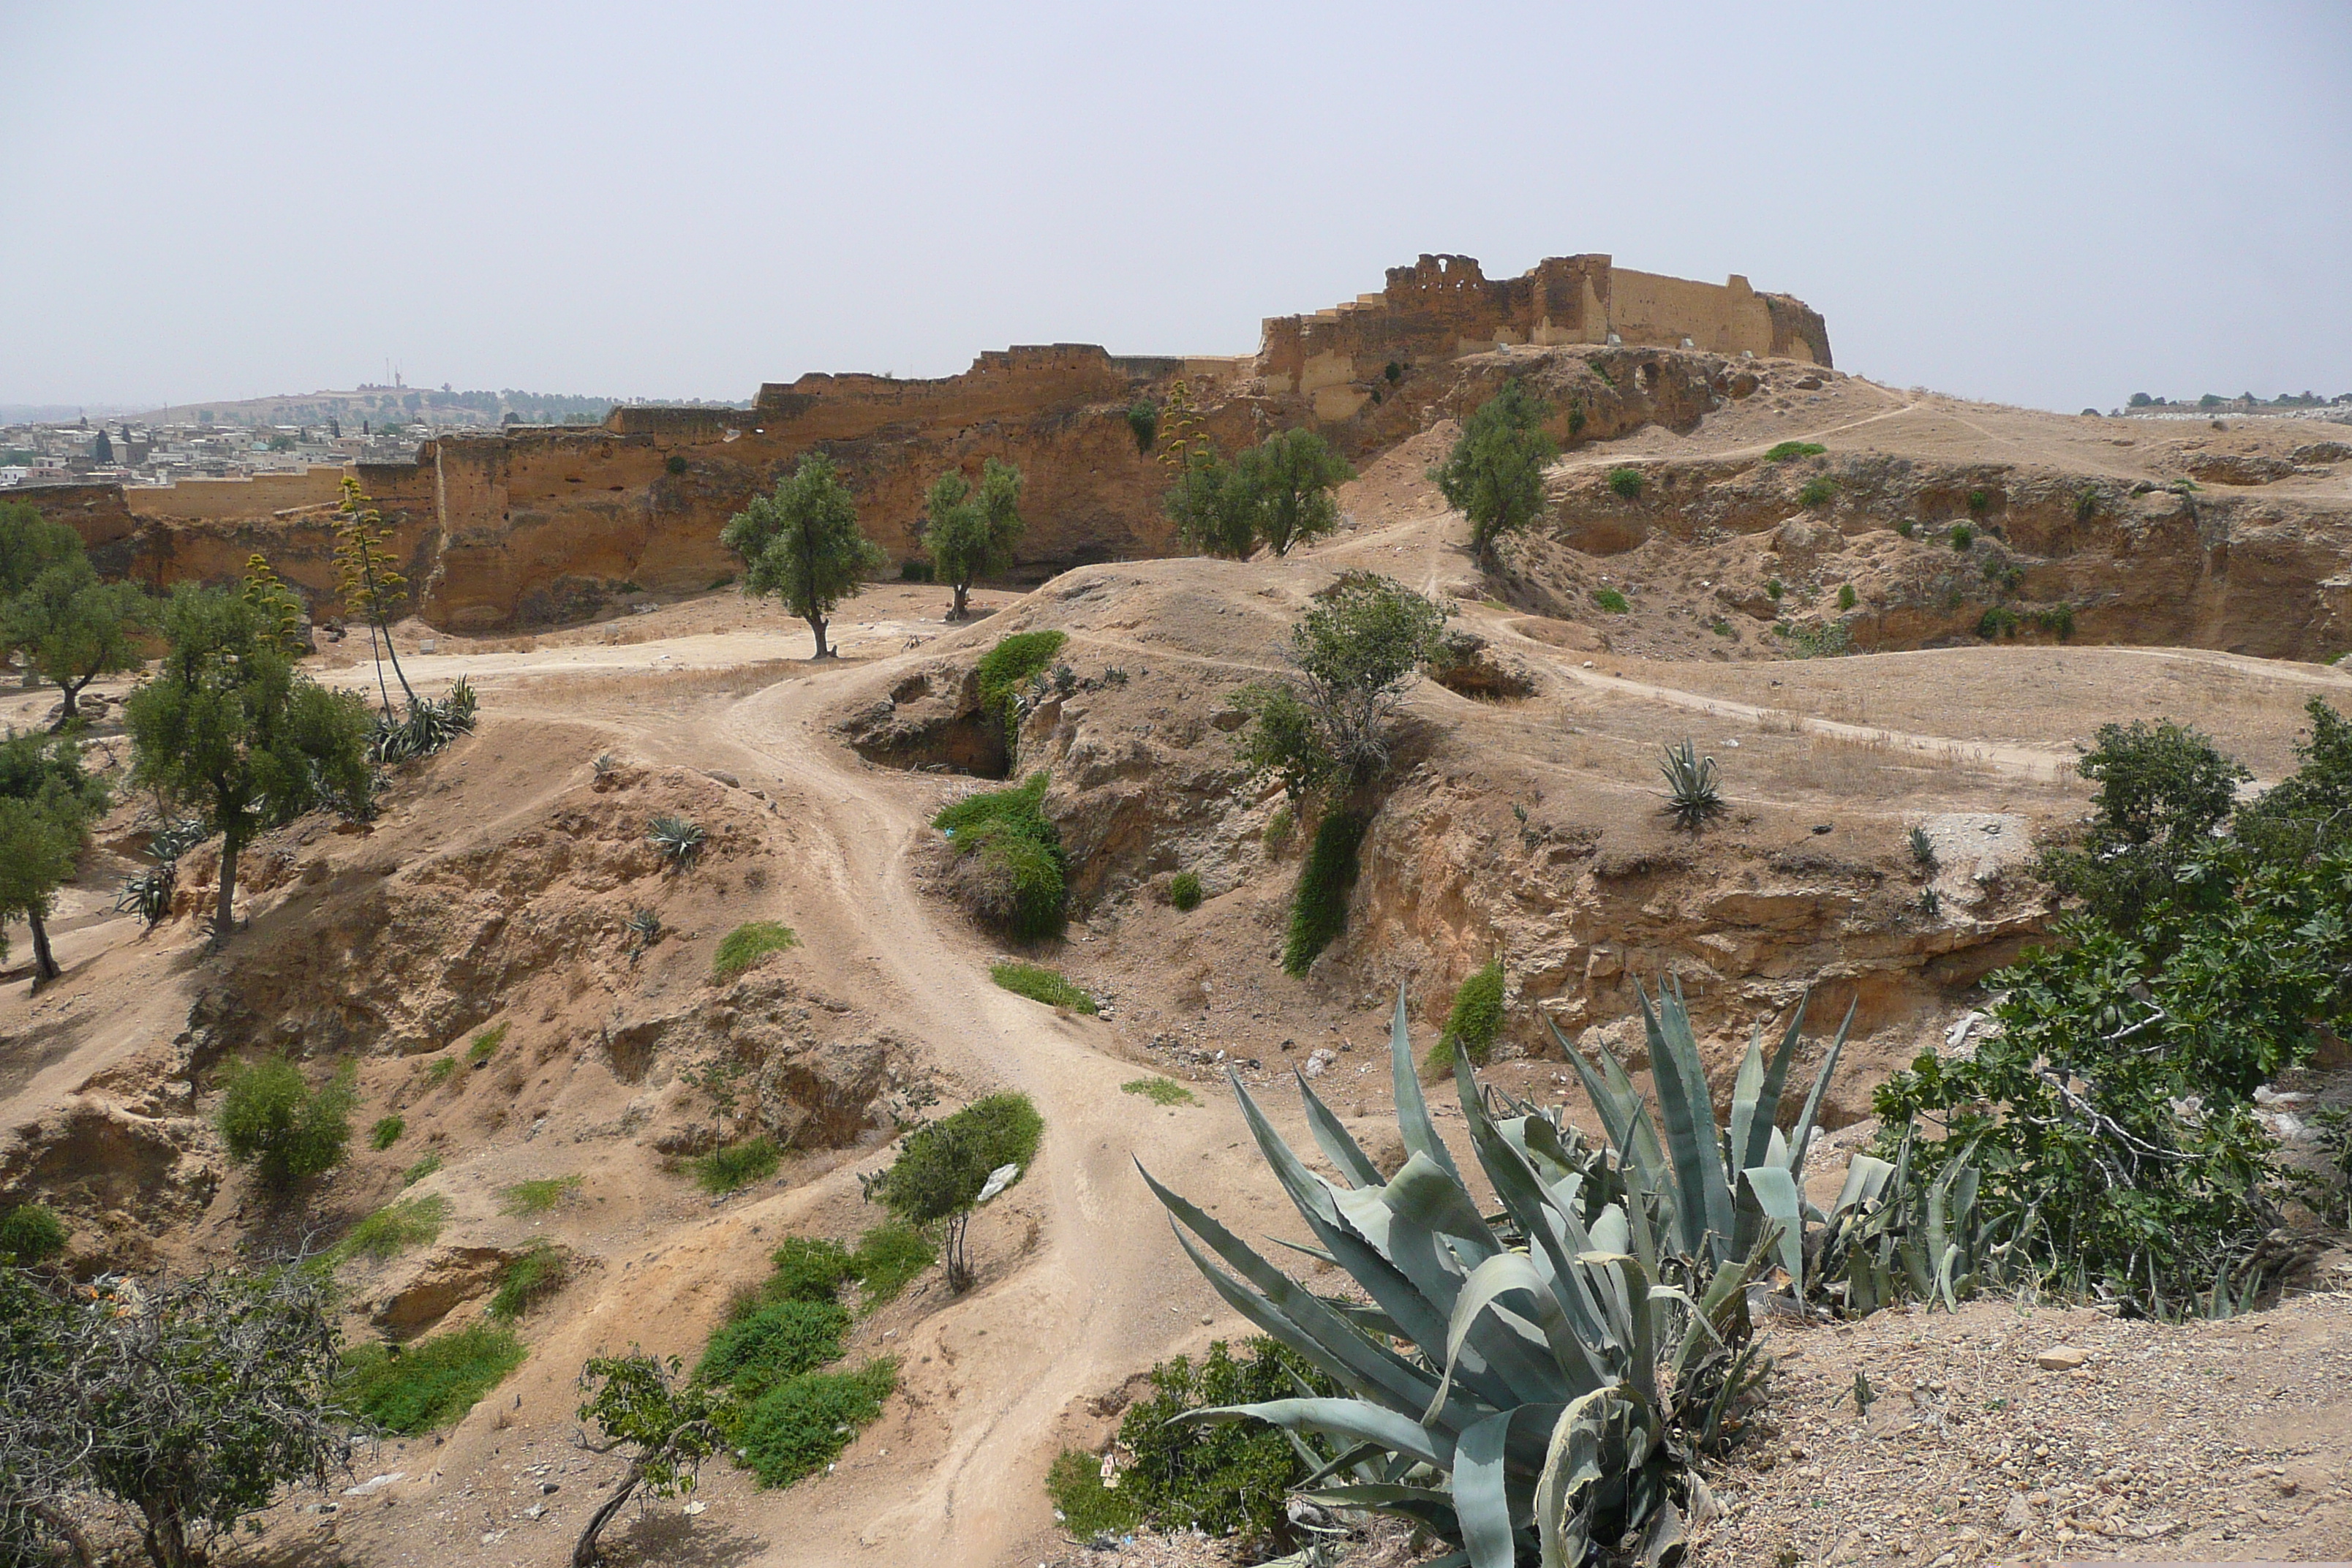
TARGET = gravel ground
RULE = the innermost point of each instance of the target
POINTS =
(2205, 1442)
(2017, 1435)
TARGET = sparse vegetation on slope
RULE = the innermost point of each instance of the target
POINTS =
(1010, 868)
(749, 942)
(1476, 1018)
(417, 1388)
(1041, 985)
(1318, 910)
(737, 1165)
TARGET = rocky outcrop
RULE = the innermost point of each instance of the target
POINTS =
(767, 1053)
(1933, 549)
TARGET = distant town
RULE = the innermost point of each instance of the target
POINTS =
(240, 439)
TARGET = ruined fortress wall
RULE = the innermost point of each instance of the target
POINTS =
(533, 525)
(1444, 307)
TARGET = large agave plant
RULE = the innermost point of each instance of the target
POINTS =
(1520, 1386)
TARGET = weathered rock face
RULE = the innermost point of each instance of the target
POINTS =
(2046, 551)
(808, 1070)
(403, 959)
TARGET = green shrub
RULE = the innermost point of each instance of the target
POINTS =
(1819, 491)
(1962, 536)
(1007, 667)
(754, 1159)
(674, 463)
(1319, 911)
(1576, 420)
(31, 1233)
(394, 1228)
(1610, 600)
(1160, 1090)
(1143, 421)
(486, 1044)
(537, 1272)
(888, 1258)
(440, 1071)
(799, 1426)
(1774, 588)
(2058, 621)
(1999, 621)
(537, 1196)
(1721, 627)
(1041, 984)
(2086, 505)
(1979, 500)
(1229, 1479)
(387, 1132)
(272, 1119)
(1015, 876)
(809, 1268)
(419, 1170)
(1625, 482)
(1083, 1506)
(1475, 1020)
(776, 1343)
(1847, 597)
(1184, 892)
(749, 942)
(1905, 527)
(411, 1390)
(911, 570)
(1788, 451)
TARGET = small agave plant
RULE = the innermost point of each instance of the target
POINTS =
(679, 838)
(1528, 1387)
(1694, 794)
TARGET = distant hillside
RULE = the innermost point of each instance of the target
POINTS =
(385, 405)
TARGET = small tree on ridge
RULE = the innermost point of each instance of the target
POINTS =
(229, 729)
(802, 544)
(972, 533)
(1494, 474)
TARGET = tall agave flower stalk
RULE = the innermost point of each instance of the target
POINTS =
(1524, 1387)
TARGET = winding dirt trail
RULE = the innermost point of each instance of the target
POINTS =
(1103, 1286)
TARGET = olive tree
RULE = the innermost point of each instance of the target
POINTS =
(74, 628)
(668, 1424)
(802, 544)
(192, 1403)
(47, 804)
(1212, 504)
(230, 732)
(29, 545)
(1494, 475)
(972, 532)
(1289, 476)
(1355, 653)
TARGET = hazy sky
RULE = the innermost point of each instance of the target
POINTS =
(2047, 203)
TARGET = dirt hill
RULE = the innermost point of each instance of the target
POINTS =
(493, 899)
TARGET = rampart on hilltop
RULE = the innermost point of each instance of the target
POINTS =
(533, 525)
(1443, 306)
